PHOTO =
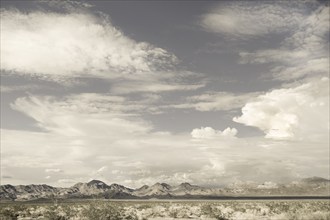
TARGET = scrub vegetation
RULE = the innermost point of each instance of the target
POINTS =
(141, 210)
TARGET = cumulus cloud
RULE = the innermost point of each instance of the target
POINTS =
(149, 157)
(54, 45)
(250, 18)
(210, 133)
(303, 56)
(119, 148)
(94, 146)
(289, 113)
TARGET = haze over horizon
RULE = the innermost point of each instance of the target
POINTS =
(139, 92)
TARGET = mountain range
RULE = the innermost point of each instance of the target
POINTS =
(314, 186)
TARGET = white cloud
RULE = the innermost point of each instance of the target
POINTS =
(101, 170)
(216, 101)
(117, 147)
(313, 30)
(164, 157)
(67, 181)
(55, 45)
(303, 27)
(157, 82)
(307, 67)
(67, 5)
(9, 89)
(53, 170)
(273, 55)
(303, 53)
(95, 146)
(91, 135)
(250, 18)
(300, 112)
(140, 86)
(210, 133)
(80, 115)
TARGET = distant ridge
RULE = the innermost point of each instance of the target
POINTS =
(314, 186)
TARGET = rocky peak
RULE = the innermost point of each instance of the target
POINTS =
(315, 179)
(96, 183)
(144, 187)
(185, 185)
(161, 186)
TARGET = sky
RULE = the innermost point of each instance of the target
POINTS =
(139, 92)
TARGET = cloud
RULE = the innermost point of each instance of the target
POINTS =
(78, 117)
(95, 104)
(79, 43)
(148, 157)
(302, 53)
(101, 170)
(9, 89)
(272, 55)
(302, 56)
(215, 101)
(56, 45)
(53, 170)
(310, 68)
(6, 177)
(67, 181)
(157, 82)
(92, 135)
(97, 142)
(101, 141)
(67, 5)
(210, 133)
(302, 29)
(289, 113)
(250, 18)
